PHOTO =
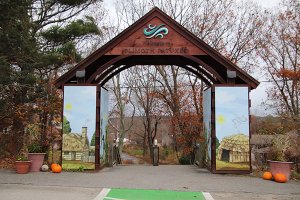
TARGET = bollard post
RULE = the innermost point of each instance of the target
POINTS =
(110, 156)
(155, 155)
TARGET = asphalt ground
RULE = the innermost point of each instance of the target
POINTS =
(87, 185)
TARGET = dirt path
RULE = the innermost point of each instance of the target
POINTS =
(128, 159)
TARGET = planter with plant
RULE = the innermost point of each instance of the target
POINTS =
(22, 165)
(279, 162)
(36, 155)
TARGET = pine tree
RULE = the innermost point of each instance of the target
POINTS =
(37, 38)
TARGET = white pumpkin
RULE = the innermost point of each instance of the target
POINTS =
(45, 168)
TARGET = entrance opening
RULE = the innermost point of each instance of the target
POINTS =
(225, 155)
(162, 106)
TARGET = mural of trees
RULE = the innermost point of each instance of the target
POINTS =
(66, 126)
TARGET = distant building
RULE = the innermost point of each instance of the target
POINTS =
(234, 148)
(76, 146)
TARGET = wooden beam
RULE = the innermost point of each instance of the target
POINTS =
(210, 77)
(206, 81)
(206, 66)
(105, 66)
(107, 75)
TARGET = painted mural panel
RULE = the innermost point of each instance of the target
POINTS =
(207, 123)
(79, 124)
(103, 121)
(232, 128)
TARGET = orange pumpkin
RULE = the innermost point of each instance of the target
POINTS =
(280, 178)
(267, 176)
(53, 165)
(56, 168)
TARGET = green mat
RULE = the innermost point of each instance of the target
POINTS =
(136, 194)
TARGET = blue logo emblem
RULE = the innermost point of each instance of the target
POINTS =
(156, 31)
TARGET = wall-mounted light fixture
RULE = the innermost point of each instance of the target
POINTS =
(80, 75)
(231, 74)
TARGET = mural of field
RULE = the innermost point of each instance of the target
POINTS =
(77, 165)
(221, 165)
(232, 128)
(79, 123)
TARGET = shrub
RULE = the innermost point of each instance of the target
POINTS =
(81, 168)
(185, 160)
(285, 148)
(35, 148)
(22, 158)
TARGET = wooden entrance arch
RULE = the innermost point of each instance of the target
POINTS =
(155, 39)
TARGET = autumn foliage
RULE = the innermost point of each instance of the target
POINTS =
(185, 104)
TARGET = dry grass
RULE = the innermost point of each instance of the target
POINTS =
(167, 156)
(7, 163)
(171, 159)
(127, 162)
(54, 157)
(221, 165)
(295, 175)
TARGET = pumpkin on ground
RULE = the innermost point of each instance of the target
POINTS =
(53, 165)
(56, 168)
(267, 176)
(44, 168)
(280, 178)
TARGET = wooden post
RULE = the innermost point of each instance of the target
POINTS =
(97, 136)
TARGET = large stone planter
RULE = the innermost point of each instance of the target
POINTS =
(37, 160)
(22, 167)
(280, 167)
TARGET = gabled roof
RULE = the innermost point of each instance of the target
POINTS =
(201, 54)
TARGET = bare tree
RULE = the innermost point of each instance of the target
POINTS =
(280, 53)
(142, 80)
(122, 97)
(181, 93)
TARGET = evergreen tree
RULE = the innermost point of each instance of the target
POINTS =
(93, 139)
(66, 126)
(37, 38)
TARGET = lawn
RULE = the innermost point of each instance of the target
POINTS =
(221, 165)
(77, 165)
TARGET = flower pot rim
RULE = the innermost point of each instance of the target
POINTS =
(20, 161)
(276, 161)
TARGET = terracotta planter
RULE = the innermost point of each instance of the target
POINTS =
(280, 167)
(37, 160)
(22, 167)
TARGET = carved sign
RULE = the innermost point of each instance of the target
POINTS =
(156, 38)
(156, 31)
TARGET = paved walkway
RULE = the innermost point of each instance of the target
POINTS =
(86, 186)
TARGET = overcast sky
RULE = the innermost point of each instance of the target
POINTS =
(265, 3)
(268, 3)
(258, 95)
